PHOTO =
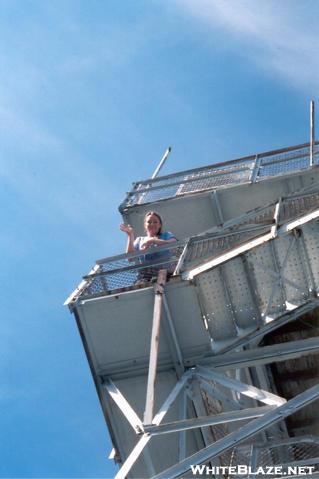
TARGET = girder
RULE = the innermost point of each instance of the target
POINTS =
(194, 349)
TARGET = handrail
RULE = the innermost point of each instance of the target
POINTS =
(239, 169)
(175, 184)
(228, 162)
(137, 254)
(124, 270)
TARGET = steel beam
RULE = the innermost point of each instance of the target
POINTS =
(217, 394)
(182, 434)
(123, 405)
(279, 283)
(181, 258)
(216, 203)
(276, 218)
(251, 288)
(244, 433)
(232, 359)
(286, 228)
(263, 355)
(132, 458)
(194, 393)
(281, 230)
(188, 275)
(137, 450)
(245, 389)
(285, 318)
(150, 392)
(211, 420)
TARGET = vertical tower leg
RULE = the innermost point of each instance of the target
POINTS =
(159, 289)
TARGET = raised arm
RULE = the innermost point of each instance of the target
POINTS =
(130, 237)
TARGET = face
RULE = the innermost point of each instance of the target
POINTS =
(152, 225)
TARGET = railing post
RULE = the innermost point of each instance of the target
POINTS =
(181, 258)
(255, 170)
(312, 130)
(161, 163)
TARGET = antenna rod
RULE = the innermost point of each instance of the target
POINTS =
(161, 163)
(312, 130)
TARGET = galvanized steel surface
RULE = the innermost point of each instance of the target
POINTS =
(135, 270)
(232, 298)
(250, 169)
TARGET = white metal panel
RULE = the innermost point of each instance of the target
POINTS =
(118, 327)
(311, 241)
(217, 308)
(183, 216)
(291, 268)
(185, 309)
(269, 293)
(195, 213)
(117, 330)
(238, 200)
(240, 292)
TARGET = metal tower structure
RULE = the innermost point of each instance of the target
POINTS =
(217, 365)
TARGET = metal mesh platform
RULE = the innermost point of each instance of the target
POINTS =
(135, 270)
(245, 170)
(201, 351)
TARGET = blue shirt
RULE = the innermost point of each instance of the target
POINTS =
(138, 243)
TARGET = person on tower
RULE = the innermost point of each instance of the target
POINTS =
(155, 236)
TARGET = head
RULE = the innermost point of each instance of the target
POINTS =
(153, 224)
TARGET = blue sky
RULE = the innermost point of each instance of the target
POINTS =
(91, 94)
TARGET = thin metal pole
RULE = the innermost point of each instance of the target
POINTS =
(312, 130)
(123, 405)
(161, 163)
(243, 388)
(182, 434)
(134, 455)
(176, 350)
(210, 420)
(158, 302)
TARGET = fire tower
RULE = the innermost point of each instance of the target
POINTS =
(217, 364)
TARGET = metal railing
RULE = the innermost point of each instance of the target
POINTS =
(247, 227)
(249, 169)
(138, 269)
(287, 453)
(133, 269)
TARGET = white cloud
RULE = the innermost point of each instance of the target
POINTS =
(278, 37)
